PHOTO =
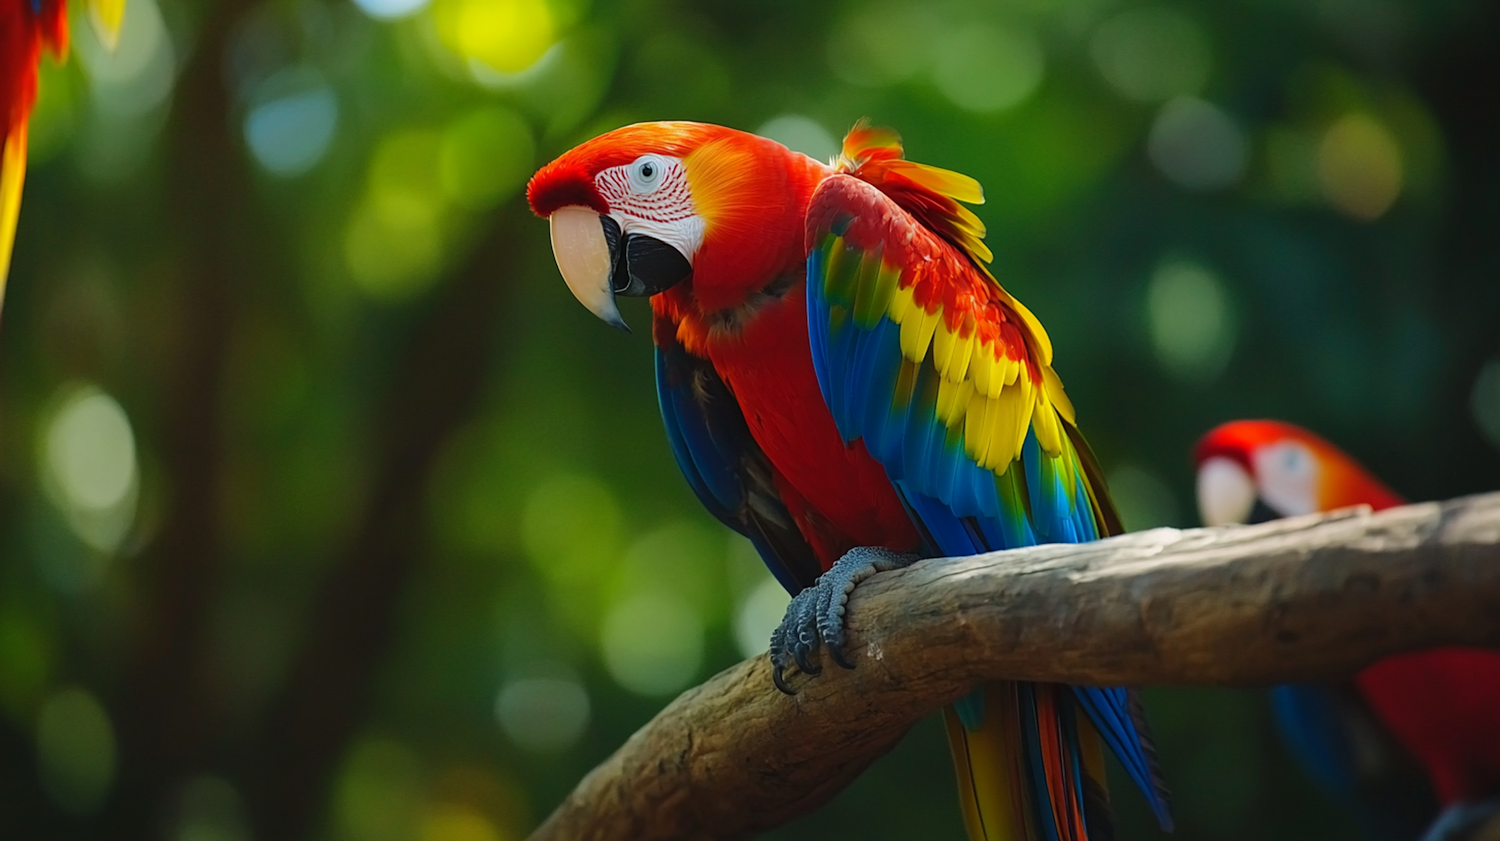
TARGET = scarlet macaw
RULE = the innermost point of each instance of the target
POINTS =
(27, 27)
(1442, 705)
(844, 383)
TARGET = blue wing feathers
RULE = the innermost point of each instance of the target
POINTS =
(1110, 710)
(816, 315)
(725, 468)
(1312, 725)
(688, 433)
(862, 360)
(883, 422)
(949, 535)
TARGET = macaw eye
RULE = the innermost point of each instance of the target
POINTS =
(1295, 460)
(646, 173)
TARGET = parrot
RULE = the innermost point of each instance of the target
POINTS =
(1439, 708)
(845, 383)
(27, 29)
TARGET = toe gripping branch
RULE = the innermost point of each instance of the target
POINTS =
(816, 615)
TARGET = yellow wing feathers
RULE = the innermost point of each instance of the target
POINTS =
(987, 385)
(920, 261)
(12, 174)
(874, 154)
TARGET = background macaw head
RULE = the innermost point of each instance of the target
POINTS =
(1257, 470)
(641, 209)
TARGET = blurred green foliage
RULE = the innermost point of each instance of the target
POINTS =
(325, 508)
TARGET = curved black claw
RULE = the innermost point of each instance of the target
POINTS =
(816, 615)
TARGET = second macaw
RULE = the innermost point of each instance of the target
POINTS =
(1441, 706)
(844, 383)
(27, 29)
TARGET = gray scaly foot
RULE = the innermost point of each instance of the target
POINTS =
(816, 615)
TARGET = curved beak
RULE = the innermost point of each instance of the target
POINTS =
(1227, 495)
(597, 266)
(585, 258)
(1226, 492)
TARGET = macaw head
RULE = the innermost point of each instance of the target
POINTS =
(1257, 470)
(641, 209)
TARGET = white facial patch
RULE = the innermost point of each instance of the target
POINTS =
(1226, 493)
(1288, 476)
(650, 196)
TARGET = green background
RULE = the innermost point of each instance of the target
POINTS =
(325, 509)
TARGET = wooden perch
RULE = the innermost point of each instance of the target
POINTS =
(1311, 597)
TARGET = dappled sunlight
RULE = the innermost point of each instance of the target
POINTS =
(884, 44)
(1197, 145)
(420, 184)
(1152, 54)
(570, 529)
(485, 157)
(75, 750)
(456, 822)
(652, 643)
(677, 557)
(1191, 320)
(90, 468)
(506, 36)
(1359, 165)
(801, 133)
(129, 92)
(292, 124)
(380, 794)
(758, 614)
(989, 67)
(211, 809)
(1484, 401)
(390, 9)
(543, 714)
(137, 74)
(394, 241)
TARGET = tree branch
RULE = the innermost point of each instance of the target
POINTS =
(1311, 597)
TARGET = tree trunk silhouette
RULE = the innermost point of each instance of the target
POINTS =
(350, 624)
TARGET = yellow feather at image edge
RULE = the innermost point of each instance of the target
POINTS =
(106, 16)
(12, 173)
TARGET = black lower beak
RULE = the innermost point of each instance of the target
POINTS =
(1262, 513)
(646, 267)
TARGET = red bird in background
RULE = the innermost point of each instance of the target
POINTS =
(27, 28)
(1442, 706)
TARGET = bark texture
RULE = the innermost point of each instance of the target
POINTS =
(1306, 598)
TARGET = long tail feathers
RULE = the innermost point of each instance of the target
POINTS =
(989, 783)
(1030, 768)
(12, 174)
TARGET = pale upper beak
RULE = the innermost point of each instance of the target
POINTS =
(1226, 493)
(586, 261)
(598, 263)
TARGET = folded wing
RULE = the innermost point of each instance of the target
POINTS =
(948, 381)
(726, 469)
